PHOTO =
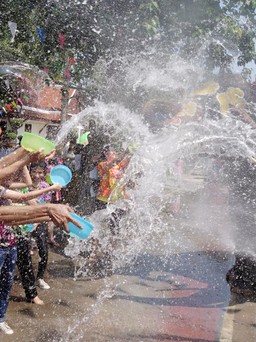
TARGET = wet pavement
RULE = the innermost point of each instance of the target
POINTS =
(185, 298)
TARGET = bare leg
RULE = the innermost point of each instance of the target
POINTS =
(37, 301)
(51, 236)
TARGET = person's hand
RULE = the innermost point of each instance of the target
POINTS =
(38, 156)
(50, 155)
(131, 184)
(56, 187)
(34, 202)
(60, 215)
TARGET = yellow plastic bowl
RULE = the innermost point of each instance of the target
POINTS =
(32, 143)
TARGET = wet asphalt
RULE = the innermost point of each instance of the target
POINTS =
(185, 298)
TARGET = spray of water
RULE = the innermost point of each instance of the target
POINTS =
(171, 208)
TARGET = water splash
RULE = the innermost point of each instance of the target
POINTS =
(170, 209)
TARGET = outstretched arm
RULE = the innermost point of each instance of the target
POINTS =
(58, 213)
(18, 197)
(26, 214)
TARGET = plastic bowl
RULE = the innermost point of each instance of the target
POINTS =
(83, 139)
(78, 233)
(30, 227)
(61, 174)
(32, 143)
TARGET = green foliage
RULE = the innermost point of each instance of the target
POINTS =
(11, 135)
(149, 12)
(98, 29)
(218, 56)
(31, 15)
(16, 123)
(211, 23)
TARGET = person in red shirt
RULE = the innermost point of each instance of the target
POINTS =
(110, 172)
(111, 188)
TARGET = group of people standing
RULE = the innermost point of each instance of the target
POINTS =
(28, 209)
(36, 209)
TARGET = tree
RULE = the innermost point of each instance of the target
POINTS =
(41, 26)
(212, 27)
(95, 29)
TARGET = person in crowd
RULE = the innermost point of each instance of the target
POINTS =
(55, 198)
(91, 155)
(40, 232)
(24, 261)
(110, 172)
(8, 251)
(241, 178)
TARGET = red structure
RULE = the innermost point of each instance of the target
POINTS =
(46, 104)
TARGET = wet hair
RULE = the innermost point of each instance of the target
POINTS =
(42, 165)
(106, 149)
(92, 124)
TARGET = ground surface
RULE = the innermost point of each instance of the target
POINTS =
(152, 302)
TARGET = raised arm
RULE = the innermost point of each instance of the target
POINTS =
(12, 157)
(20, 153)
(126, 159)
(7, 172)
(27, 181)
(11, 171)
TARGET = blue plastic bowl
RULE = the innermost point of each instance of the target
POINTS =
(61, 174)
(30, 227)
(77, 232)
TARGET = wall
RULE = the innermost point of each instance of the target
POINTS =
(38, 127)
